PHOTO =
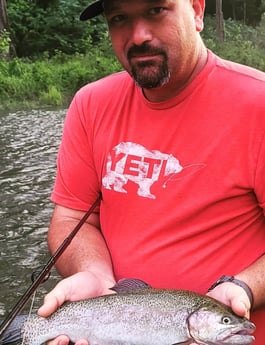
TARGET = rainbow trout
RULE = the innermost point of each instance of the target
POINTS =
(137, 315)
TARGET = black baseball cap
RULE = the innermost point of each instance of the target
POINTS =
(92, 10)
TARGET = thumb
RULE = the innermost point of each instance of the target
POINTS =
(234, 296)
(50, 305)
(52, 301)
(241, 305)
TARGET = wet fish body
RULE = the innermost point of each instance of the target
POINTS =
(141, 317)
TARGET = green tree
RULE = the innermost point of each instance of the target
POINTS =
(248, 11)
(49, 26)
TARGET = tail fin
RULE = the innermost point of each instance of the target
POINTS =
(13, 332)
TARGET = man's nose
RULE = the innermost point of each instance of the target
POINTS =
(141, 32)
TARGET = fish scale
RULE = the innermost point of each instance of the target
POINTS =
(139, 316)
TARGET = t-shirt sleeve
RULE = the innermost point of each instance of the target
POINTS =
(76, 184)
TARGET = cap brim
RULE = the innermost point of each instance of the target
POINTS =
(92, 10)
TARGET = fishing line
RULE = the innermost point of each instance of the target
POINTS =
(34, 276)
(46, 269)
(29, 313)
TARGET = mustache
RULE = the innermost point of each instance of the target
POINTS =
(145, 48)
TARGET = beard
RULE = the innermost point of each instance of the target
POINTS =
(152, 73)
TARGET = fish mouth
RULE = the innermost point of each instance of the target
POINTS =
(237, 334)
(241, 336)
(244, 332)
(239, 339)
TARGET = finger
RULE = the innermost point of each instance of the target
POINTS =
(52, 302)
(81, 342)
(61, 340)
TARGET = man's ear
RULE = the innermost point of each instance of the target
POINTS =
(199, 7)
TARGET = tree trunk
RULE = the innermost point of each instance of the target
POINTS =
(220, 33)
(3, 15)
(11, 50)
(245, 11)
(234, 9)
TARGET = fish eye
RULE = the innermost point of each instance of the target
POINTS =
(226, 320)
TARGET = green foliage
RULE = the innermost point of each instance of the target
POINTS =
(51, 26)
(4, 44)
(51, 81)
(241, 42)
(50, 75)
(60, 53)
(52, 97)
(248, 10)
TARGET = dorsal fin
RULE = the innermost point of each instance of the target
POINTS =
(127, 285)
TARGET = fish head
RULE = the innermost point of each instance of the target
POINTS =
(217, 324)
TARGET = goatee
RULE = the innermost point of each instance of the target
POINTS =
(152, 73)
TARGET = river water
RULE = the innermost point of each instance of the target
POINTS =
(29, 142)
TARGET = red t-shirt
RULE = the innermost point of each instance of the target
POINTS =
(182, 181)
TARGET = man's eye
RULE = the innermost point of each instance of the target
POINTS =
(117, 19)
(157, 10)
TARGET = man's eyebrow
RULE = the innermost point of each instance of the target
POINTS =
(115, 7)
(154, 1)
(162, 2)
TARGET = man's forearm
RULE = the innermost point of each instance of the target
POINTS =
(87, 251)
(254, 277)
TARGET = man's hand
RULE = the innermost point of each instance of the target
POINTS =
(234, 296)
(77, 287)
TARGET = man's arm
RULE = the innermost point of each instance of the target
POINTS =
(86, 262)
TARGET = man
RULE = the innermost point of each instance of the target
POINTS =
(176, 147)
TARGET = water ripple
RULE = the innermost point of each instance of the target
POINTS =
(29, 143)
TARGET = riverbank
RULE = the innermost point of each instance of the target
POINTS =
(29, 84)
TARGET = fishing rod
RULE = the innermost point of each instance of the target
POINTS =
(46, 269)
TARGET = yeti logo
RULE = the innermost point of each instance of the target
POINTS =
(133, 162)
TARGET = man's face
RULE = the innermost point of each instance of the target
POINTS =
(155, 40)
